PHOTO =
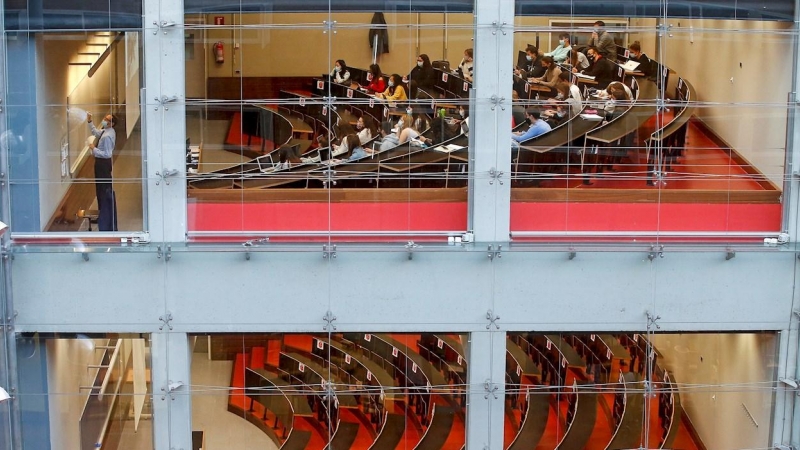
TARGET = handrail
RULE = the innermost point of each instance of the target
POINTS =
(111, 362)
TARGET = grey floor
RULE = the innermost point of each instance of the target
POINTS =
(223, 430)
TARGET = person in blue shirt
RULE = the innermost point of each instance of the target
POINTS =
(536, 128)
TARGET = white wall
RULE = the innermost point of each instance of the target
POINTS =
(66, 372)
(738, 369)
(708, 54)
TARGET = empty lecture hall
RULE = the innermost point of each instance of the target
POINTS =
(399, 225)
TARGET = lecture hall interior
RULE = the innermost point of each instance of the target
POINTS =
(399, 224)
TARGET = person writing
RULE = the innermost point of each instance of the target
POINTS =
(465, 67)
(395, 91)
(376, 83)
(602, 69)
(103, 149)
(551, 74)
(340, 74)
(602, 40)
(561, 53)
(537, 127)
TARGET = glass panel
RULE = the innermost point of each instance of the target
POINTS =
(84, 391)
(676, 149)
(61, 82)
(77, 15)
(630, 390)
(353, 390)
(276, 157)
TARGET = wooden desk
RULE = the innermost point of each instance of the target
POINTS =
(580, 429)
(394, 427)
(344, 436)
(380, 374)
(629, 431)
(567, 351)
(346, 399)
(439, 429)
(525, 364)
(535, 423)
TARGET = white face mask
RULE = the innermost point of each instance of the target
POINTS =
(419, 63)
(529, 57)
(409, 111)
(462, 113)
(360, 126)
(391, 83)
(337, 68)
(561, 41)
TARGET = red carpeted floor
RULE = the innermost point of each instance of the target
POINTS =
(555, 429)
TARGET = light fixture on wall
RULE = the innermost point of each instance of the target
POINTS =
(4, 395)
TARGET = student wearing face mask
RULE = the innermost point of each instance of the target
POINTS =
(602, 69)
(395, 92)
(340, 74)
(533, 68)
(646, 65)
(465, 67)
(365, 128)
(463, 121)
(102, 149)
(551, 74)
(561, 53)
(390, 139)
(422, 76)
(377, 84)
(603, 41)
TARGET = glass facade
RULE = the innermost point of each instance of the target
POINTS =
(298, 224)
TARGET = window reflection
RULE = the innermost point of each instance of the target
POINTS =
(634, 390)
(354, 390)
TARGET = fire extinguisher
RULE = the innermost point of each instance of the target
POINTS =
(219, 52)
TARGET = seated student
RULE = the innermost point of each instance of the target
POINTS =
(602, 69)
(395, 91)
(340, 74)
(618, 85)
(408, 130)
(572, 91)
(440, 132)
(551, 74)
(561, 53)
(646, 65)
(365, 126)
(390, 139)
(288, 158)
(533, 68)
(422, 76)
(356, 151)
(341, 128)
(537, 127)
(556, 113)
(376, 84)
(614, 105)
(465, 67)
(578, 59)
